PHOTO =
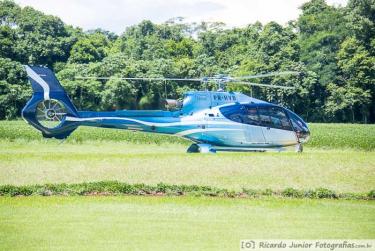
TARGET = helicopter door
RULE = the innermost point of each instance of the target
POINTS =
(276, 126)
(253, 132)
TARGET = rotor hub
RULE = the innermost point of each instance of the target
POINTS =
(50, 114)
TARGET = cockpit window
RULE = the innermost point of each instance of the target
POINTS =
(273, 116)
(267, 116)
(251, 116)
(265, 119)
(234, 113)
(279, 117)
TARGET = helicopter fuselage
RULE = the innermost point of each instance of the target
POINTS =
(223, 120)
(225, 125)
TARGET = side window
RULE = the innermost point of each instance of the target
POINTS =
(236, 118)
(233, 112)
(251, 116)
(264, 116)
(274, 117)
(285, 123)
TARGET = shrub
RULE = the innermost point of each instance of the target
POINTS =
(371, 195)
(291, 192)
(267, 192)
(310, 194)
(117, 188)
(250, 192)
(325, 193)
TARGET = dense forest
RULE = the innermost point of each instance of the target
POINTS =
(332, 47)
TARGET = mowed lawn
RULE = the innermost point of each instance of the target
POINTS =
(174, 223)
(40, 162)
(343, 162)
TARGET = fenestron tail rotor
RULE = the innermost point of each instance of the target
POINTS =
(50, 113)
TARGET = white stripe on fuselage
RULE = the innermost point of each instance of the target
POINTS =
(32, 74)
(180, 123)
(192, 131)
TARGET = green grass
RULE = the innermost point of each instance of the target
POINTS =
(338, 157)
(40, 162)
(174, 223)
(16, 130)
(93, 154)
(330, 136)
(338, 136)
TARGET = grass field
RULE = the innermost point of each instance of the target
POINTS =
(182, 223)
(338, 157)
(24, 163)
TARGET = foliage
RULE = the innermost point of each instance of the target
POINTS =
(332, 47)
(89, 48)
(117, 188)
(14, 90)
(371, 194)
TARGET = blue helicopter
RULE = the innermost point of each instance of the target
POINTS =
(212, 120)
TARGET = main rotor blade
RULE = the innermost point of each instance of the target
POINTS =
(267, 75)
(142, 78)
(265, 85)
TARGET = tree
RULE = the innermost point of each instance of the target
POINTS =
(14, 90)
(7, 40)
(322, 29)
(360, 20)
(343, 99)
(331, 47)
(357, 76)
(119, 94)
(89, 48)
(41, 39)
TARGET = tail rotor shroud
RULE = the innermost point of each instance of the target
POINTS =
(49, 105)
(50, 113)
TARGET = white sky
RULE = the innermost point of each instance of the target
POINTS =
(115, 15)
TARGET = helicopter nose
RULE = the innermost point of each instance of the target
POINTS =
(303, 135)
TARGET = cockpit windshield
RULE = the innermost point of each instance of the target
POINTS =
(300, 127)
(297, 122)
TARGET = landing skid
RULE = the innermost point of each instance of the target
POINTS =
(201, 148)
(206, 148)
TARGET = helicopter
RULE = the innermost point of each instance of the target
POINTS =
(212, 120)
